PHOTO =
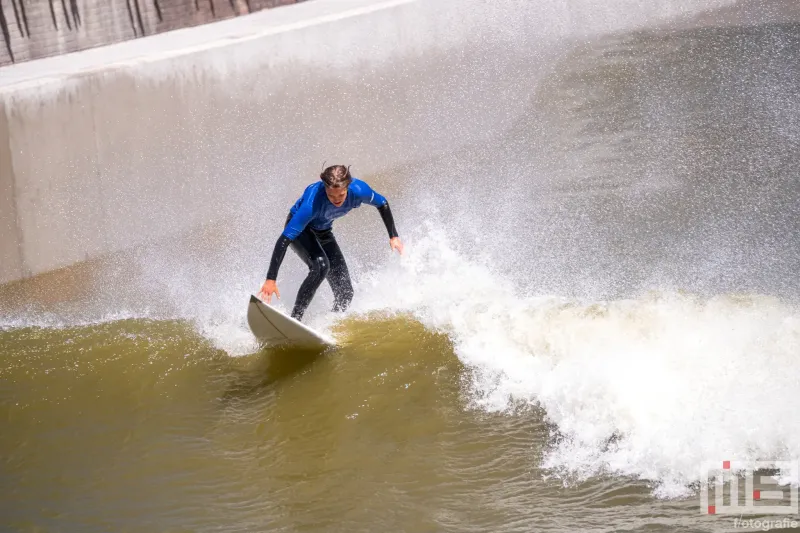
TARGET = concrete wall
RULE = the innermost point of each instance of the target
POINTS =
(10, 246)
(112, 147)
(32, 29)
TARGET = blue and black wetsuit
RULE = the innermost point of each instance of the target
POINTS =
(309, 232)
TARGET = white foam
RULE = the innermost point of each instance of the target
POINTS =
(648, 387)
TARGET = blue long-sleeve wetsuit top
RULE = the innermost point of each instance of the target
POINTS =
(313, 209)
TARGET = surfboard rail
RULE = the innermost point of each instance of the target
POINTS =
(271, 326)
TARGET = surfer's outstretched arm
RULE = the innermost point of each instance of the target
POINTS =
(293, 227)
(388, 221)
(369, 196)
(269, 287)
(278, 253)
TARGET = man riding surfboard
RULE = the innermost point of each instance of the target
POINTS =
(309, 232)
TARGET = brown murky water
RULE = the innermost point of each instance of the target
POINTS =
(558, 372)
(137, 425)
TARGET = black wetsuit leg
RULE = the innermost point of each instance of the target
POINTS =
(338, 275)
(321, 253)
(309, 249)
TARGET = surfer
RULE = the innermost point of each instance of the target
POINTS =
(308, 230)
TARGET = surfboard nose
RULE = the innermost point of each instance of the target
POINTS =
(271, 326)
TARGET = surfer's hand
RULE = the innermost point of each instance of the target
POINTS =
(267, 289)
(395, 243)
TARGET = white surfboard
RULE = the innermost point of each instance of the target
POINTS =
(273, 327)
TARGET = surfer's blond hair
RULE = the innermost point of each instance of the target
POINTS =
(336, 176)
